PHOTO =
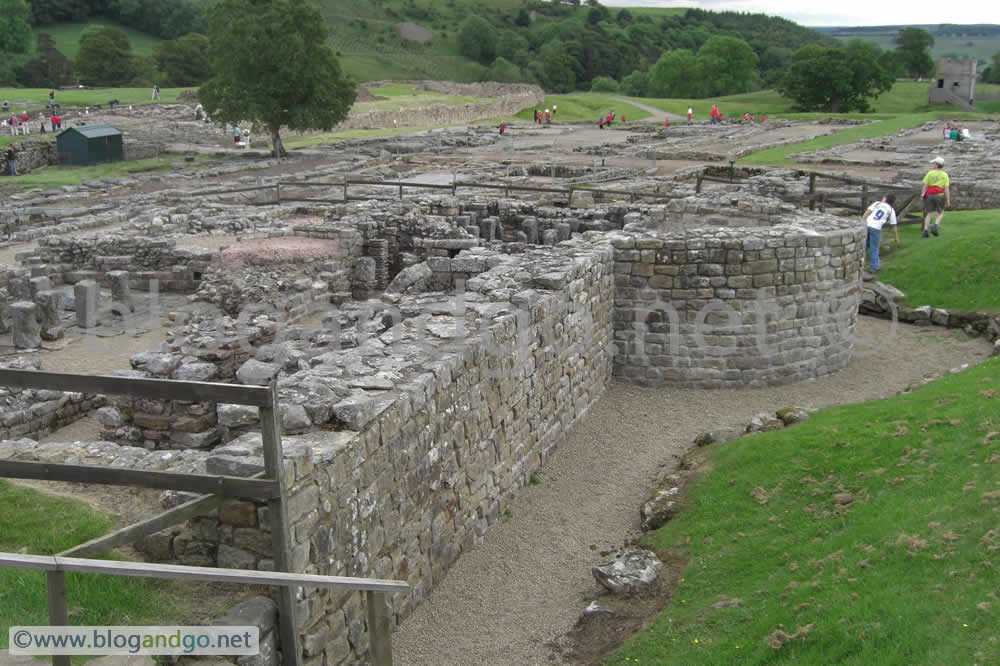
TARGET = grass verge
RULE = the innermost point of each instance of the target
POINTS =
(868, 535)
(36, 98)
(42, 525)
(965, 261)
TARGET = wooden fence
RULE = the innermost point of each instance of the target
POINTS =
(268, 485)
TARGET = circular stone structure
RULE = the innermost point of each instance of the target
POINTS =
(742, 306)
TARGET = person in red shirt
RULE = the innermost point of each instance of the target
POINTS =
(666, 123)
(607, 121)
(600, 122)
(623, 117)
(502, 127)
(763, 117)
(24, 123)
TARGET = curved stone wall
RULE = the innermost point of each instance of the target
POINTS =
(745, 306)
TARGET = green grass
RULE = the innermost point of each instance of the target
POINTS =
(67, 37)
(966, 46)
(965, 261)
(37, 98)
(585, 108)
(894, 576)
(42, 525)
(57, 176)
(778, 155)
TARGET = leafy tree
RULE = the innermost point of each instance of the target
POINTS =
(184, 61)
(104, 59)
(15, 31)
(50, 69)
(634, 85)
(992, 73)
(675, 74)
(834, 79)
(513, 47)
(272, 66)
(504, 70)
(604, 84)
(727, 64)
(914, 48)
(523, 18)
(623, 18)
(477, 39)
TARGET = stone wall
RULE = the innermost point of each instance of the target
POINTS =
(509, 99)
(36, 413)
(748, 306)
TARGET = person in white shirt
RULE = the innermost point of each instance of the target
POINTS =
(876, 216)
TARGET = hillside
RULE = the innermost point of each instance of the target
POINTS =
(950, 40)
(420, 38)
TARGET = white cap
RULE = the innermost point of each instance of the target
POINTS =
(938, 160)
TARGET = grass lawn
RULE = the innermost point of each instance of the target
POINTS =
(406, 95)
(585, 108)
(57, 176)
(965, 260)
(871, 532)
(42, 525)
(37, 98)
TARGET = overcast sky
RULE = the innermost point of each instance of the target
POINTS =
(845, 12)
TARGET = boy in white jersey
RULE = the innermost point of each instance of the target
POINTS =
(877, 215)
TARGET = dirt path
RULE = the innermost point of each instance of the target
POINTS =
(509, 599)
(656, 114)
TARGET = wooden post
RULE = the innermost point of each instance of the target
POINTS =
(281, 539)
(379, 629)
(400, 192)
(55, 582)
(812, 190)
(454, 183)
(569, 202)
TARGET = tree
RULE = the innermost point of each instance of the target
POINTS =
(50, 69)
(272, 66)
(992, 73)
(727, 64)
(477, 40)
(504, 70)
(834, 79)
(513, 47)
(634, 85)
(105, 59)
(15, 31)
(184, 61)
(604, 84)
(913, 46)
(675, 74)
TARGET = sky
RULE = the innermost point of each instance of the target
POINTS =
(844, 12)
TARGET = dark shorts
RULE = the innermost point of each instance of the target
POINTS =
(934, 203)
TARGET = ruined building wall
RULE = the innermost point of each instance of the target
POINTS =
(736, 307)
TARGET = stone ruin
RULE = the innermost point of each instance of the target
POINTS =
(430, 355)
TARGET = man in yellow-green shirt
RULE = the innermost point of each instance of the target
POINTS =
(936, 196)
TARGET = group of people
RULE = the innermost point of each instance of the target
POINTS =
(548, 115)
(605, 121)
(935, 195)
(956, 132)
(753, 117)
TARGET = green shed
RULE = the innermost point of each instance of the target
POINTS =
(89, 144)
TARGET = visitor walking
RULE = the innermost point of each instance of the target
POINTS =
(14, 123)
(600, 122)
(502, 128)
(11, 161)
(548, 117)
(936, 196)
(554, 107)
(24, 123)
(156, 93)
(876, 216)
(52, 98)
(690, 113)
(236, 134)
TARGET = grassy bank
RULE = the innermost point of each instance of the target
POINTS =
(57, 176)
(965, 258)
(43, 525)
(37, 98)
(868, 535)
(586, 108)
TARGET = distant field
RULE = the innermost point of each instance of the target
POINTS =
(981, 47)
(405, 95)
(36, 98)
(67, 37)
(586, 108)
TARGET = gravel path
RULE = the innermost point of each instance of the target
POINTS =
(526, 584)
(656, 114)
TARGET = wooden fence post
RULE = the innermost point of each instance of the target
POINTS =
(379, 629)
(822, 202)
(291, 652)
(55, 582)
